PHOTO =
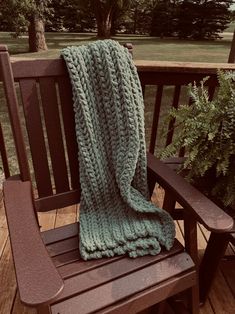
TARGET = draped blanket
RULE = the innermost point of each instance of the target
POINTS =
(116, 216)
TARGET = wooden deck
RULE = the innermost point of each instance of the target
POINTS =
(221, 299)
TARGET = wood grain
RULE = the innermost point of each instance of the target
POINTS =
(8, 282)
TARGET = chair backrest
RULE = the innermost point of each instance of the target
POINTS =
(46, 97)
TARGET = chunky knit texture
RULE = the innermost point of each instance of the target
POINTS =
(116, 216)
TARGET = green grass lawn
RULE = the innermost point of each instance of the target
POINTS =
(145, 48)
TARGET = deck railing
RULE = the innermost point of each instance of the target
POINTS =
(164, 85)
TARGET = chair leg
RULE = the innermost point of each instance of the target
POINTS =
(194, 303)
(168, 203)
(215, 250)
(190, 237)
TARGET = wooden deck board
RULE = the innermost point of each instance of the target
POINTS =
(221, 299)
(8, 281)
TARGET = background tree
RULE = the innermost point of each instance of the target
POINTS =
(196, 19)
(205, 19)
(20, 15)
(163, 21)
(141, 12)
(104, 11)
(36, 29)
(70, 15)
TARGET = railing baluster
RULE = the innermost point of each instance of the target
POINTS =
(155, 120)
(175, 104)
(143, 89)
(211, 91)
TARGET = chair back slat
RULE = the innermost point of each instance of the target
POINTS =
(66, 102)
(54, 133)
(155, 120)
(29, 96)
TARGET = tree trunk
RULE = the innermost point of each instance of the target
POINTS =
(231, 58)
(104, 24)
(104, 18)
(37, 41)
(135, 19)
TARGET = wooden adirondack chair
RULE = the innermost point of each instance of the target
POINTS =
(50, 274)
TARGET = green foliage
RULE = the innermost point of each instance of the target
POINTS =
(203, 19)
(15, 14)
(194, 19)
(164, 18)
(71, 15)
(206, 129)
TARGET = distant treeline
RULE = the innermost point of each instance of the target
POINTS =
(194, 19)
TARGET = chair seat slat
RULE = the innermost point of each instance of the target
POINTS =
(103, 295)
(110, 270)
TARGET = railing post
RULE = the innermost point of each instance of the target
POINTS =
(231, 57)
(129, 46)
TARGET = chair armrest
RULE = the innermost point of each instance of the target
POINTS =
(38, 280)
(203, 209)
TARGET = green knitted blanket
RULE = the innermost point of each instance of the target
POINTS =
(116, 216)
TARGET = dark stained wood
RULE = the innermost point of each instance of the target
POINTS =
(61, 233)
(155, 120)
(62, 247)
(190, 233)
(10, 93)
(118, 284)
(66, 102)
(232, 237)
(43, 68)
(110, 269)
(137, 282)
(228, 270)
(4, 155)
(150, 296)
(66, 258)
(32, 114)
(169, 79)
(189, 197)
(211, 91)
(182, 67)
(143, 89)
(175, 104)
(57, 200)
(231, 57)
(215, 250)
(37, 278)
(55, 67)
(54, 133)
